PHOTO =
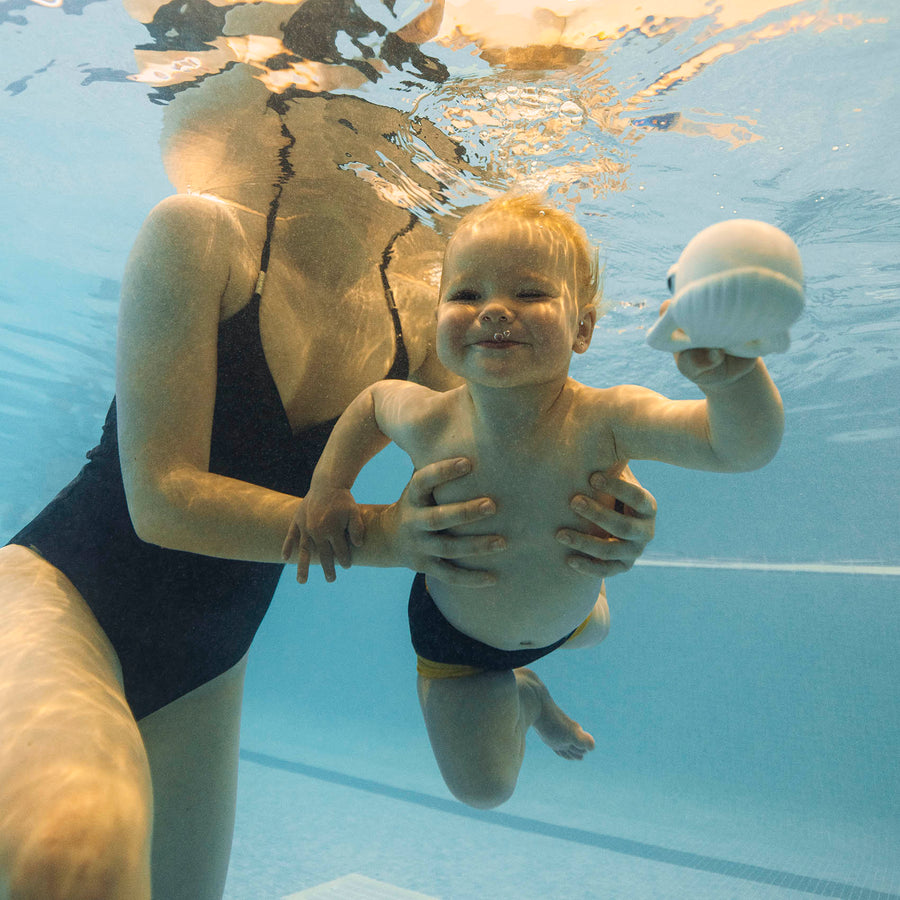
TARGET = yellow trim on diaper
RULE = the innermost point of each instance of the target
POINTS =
(428, 668)
(580, 628)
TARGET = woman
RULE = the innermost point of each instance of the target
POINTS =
(253, 310)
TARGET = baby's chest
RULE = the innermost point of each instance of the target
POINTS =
(532, 481)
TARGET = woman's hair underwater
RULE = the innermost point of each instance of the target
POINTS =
(533, 208)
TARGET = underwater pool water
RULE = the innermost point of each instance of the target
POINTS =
(745, 703)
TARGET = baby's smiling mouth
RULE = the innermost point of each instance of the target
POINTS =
(491, 344)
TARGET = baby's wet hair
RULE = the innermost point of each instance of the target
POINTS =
(535, 209)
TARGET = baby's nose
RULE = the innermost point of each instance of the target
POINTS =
(495, 312)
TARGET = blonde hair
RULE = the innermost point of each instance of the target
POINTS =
(534, 209)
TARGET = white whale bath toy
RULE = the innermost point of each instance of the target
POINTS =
(737, 285)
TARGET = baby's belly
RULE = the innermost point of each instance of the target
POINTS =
(537, 599)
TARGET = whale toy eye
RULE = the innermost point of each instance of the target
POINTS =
(670, 278)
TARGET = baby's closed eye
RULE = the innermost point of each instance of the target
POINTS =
(464, 296)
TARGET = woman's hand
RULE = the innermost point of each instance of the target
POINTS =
(413, 532)
(629, 531)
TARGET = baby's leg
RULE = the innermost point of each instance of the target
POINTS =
(594, 628)
(477, 728)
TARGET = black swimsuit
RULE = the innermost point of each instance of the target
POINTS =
(176, 619)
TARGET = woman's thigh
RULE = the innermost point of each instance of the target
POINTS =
(75, 795)
(193, 746)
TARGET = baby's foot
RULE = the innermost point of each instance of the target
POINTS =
(562, 734)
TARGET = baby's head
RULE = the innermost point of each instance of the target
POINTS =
(518, 292)
(534, 215)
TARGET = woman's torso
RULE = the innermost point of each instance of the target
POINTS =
(326, 321)
(177, 619)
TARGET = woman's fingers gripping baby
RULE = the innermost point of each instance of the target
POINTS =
(424, 532)
(629, 526)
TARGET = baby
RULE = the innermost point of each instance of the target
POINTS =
(518, 296)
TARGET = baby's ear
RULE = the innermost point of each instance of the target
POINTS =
(587, 319)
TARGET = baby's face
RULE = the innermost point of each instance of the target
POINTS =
(508, 313)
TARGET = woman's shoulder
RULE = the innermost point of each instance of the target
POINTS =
(201, 242)
(189, 228)
(193, 215)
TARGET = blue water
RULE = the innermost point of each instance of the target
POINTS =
(745, 703)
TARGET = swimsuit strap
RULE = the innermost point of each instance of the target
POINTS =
(400, 367)
(286, 174)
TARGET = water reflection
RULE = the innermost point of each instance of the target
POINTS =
(547, 93)
(589, 102)
(525, 89)
(457, 100)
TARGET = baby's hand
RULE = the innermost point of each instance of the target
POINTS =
(710, 368)
(323, 523)
(713, 368)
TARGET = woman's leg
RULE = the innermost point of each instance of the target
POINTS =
(477, 726)
(193, 748)
(75, 795)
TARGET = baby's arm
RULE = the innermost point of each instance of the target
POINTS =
(737, 428)
(328, 515)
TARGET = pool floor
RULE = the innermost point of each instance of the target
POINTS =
(302, 825)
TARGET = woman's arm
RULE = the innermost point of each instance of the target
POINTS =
(176, 281)
(178, 276)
